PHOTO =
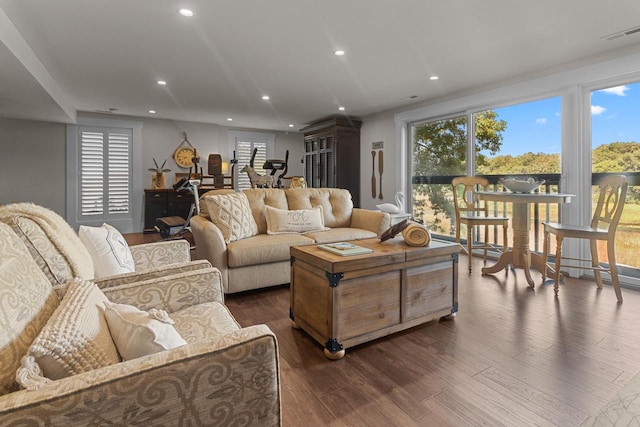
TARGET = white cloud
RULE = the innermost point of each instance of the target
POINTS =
(618, 90)
(597, 110)
(541, 121)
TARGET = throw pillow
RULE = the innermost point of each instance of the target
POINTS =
(109, 250)
(76, 338)
(231, 213)
(137, 333)
(281, 221)
(26, 303)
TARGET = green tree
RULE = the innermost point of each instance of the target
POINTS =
(616, 157)
(440, 148)
(524, 163)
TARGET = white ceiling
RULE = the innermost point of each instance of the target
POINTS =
(66, 56)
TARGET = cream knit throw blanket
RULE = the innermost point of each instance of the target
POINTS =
(59, 233)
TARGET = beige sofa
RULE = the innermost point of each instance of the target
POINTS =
(224, 375)
(263, 259)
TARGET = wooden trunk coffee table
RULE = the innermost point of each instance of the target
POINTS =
(345, 301)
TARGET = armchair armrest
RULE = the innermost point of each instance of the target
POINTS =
(210, 245)
(172, 292)
(182, 386)
(152, 255)
(367, 219)
(123, 279)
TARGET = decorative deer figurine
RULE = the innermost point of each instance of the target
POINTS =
(259, 181)
(158, 174)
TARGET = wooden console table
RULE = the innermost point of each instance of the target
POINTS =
(344, 301)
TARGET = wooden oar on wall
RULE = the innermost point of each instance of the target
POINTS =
(380, 163)
(373, 174)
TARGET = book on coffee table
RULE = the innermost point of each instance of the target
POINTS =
(345, 248)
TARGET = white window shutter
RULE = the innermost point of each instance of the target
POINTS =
(105, 169)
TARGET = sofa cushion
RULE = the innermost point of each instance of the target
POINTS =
(27, 301)
(232, 215)
(204, 208)
(336, 203)
(109, 250)
(340, 234)
(280, 221)
(76, 338)
(204, 322)
(263, 249)
(51, 241)
(259, 198)
(138, 333)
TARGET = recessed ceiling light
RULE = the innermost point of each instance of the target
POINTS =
(341, 108)
(434, 78)
(152, 111)
(338, 52)
(229, 119)
(290, 125)
(161, 82)
(186, 12)
(265, 97)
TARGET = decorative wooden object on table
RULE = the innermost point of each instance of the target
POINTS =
(331, 155)
(392, 231)
(345, 301)
(157, 180)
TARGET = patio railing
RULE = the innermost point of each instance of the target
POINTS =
(540, 213)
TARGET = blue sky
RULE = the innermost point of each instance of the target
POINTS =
(536, 126)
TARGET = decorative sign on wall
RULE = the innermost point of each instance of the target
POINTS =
(379, 145)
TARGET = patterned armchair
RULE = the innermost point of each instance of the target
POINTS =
(224, 375)
(61, 255)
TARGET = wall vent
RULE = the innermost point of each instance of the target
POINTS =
(623, 33)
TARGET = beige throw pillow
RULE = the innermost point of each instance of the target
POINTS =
(138, 333)
(280, 221)
(26, 303)
(231, 213)
(109, 250)
(76, 338)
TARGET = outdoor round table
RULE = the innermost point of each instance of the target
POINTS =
(520, 255)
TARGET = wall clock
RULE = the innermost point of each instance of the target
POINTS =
(184, 153)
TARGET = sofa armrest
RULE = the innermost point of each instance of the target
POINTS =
(172, 292)
(151, 255)
(233, 379)
(367, 219)
(210, 245)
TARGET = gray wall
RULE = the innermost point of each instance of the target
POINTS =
(33, 155)
(32, 163)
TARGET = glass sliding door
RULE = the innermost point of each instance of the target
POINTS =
(522, 140)
(615, 142)
(438, 154)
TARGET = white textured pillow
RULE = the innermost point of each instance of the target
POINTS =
(231, 213)
(76, 338)
(137, 333)
(109, 250)
(281, 221)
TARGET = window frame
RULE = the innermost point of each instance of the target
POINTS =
(125, 223)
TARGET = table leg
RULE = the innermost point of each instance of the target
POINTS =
(520, 254)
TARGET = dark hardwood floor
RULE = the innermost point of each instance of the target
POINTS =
(513, 356)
